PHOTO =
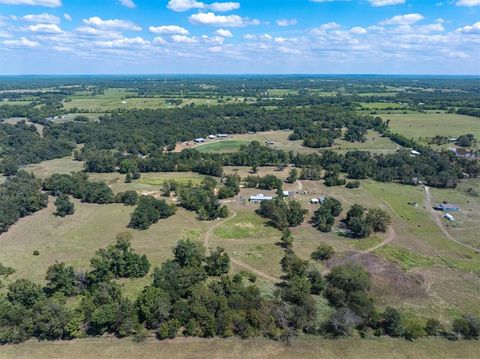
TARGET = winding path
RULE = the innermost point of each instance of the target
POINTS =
(429, 206)
(392, 235)
(236, 261)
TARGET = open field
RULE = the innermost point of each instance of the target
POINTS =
(122, 99)
(380, 105)
(74, 239)
(64, 165)
(14, 103)
(375, 143)
(419, 125)
(307, 348)
(424, 264)
(222, 146)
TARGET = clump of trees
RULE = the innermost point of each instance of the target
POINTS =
(283, 214)
(324, 217)
(149, 211)
(64, 207)
(118, 261)
(20, 196)
(78, 185)
(269, 182)
(293, 176)
(362, 222)
(201, 199)
(323, 252)
(231, 187)
(128, 198)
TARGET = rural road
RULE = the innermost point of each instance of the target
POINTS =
(236, 261)
(429, 206)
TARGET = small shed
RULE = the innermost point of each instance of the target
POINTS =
(449, 217)
(314, 201)
(288, 194)
(222, 135)
(199, 140)
(212, 137)
(415, 153)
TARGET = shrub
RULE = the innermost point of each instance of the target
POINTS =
(323, 252)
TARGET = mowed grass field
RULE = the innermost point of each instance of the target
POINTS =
(223, 146)
(375, 143)
(420, 125)
(123, 99)
(192, 348)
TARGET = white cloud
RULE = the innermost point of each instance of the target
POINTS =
(128, 3)
(407, 19)
(224, 33)
(457, 55)
(46, 3)
(358, 30)
(159, 41)
(43, 29)
(468, 3)
(44, 18)
(286, 22)
(264, 37)
(88, 31)
(378, 3)
(322, 29)
(183, 39)
(223, 6)
(215, 49)
(168, 30)
(111, 24)
(67, 17)
(186, 5)
(470, 29)
(22, 42)
(123, 43)
(210, 18)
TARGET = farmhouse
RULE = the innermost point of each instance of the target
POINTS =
(446, 207)
(199, 140)
(260, 198)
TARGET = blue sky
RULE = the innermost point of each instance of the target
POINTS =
(244, 36)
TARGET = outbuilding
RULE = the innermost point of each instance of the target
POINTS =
(446, 207)
(449, 217)
(199, 140)
(260, 198)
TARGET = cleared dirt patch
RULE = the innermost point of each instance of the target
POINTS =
(387, 277)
